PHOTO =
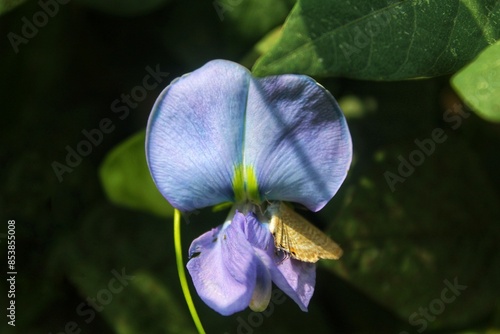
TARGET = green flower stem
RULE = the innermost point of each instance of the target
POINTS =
(182, 272)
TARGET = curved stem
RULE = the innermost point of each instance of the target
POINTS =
(182, 272)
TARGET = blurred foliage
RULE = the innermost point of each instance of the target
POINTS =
(402, 239)
(126, 179)
(124, 7)
(423, 238)
(252, 19)
(479, 83)
(6, 5)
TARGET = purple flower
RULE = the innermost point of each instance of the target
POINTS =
(220, 135)
(233, 265)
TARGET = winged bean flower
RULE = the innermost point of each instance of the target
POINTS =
(220, 135)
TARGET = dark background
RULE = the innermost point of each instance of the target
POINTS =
(400, 246)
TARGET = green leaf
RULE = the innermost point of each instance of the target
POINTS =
(6, 5)
(382, 39)
(124, 8)
(126, 180)
(479, 83)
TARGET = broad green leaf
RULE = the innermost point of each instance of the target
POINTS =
(479, 83)
(382, 39)
(125, 177)
(6, 5)
(124, 8)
